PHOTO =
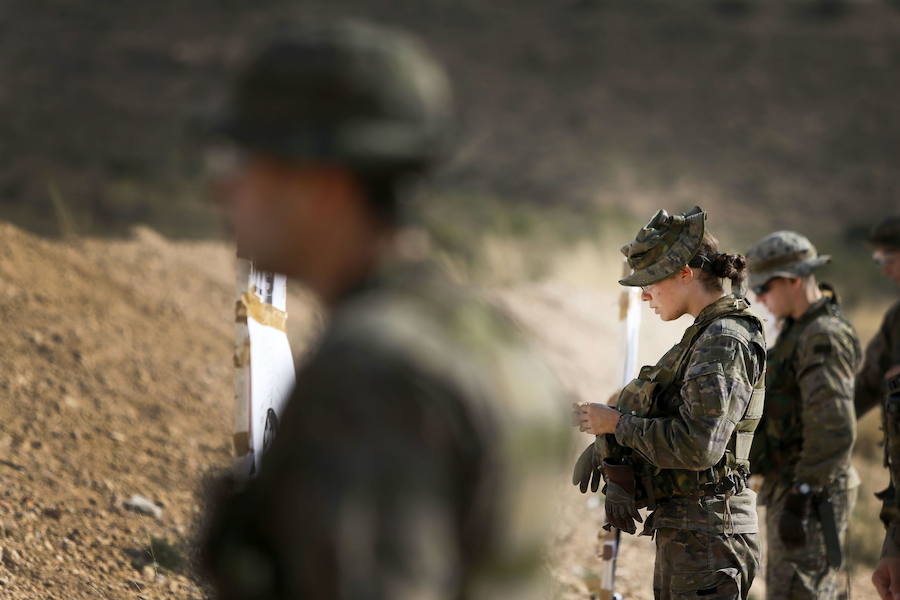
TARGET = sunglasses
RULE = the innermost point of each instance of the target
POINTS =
(764, 288)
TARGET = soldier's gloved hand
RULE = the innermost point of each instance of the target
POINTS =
(587, 470)
(791, 530)
(621, 511)
(621, 506)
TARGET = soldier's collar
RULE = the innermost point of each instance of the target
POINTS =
(814, 309)
(725, 304)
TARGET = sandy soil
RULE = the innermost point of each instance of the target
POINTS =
(116, 380)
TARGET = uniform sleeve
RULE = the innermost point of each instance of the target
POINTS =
(827, 358)
(358, 496)
(715, 392)
(869, 389)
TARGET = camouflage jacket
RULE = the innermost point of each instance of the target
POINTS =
(882, 353)
(688, 435)
(809, 427)
(413, 460)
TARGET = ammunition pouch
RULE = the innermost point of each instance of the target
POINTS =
(621, 475)
(637, 397)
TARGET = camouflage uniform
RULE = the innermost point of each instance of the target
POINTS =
(688, 425)
(883, 353)
(809, 427)
(414, 458)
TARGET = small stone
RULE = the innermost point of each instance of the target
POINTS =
(53, 513)
(142, 505)
(148, 573)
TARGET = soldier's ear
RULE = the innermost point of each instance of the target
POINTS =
(686, 274)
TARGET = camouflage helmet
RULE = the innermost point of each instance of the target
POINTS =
(663, 246)
(886, 233)
(349, 93)
(782, 254)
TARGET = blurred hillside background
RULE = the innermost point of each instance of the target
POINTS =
(770, 114)
(578, 119)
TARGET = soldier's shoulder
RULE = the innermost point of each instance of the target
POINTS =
(892, 316)
(828, 336)
(744, 329)
(431, 325)
(829, 327)
(428, 311)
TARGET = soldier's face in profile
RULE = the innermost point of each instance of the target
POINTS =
(270, 205)
(776, 297)
(888, 259)
(667, 298)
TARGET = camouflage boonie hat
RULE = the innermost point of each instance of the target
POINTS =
(782, 254)
(663, 246)
(347, 92)
(886, 233)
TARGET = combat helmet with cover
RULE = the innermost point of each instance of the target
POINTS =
(663, 246)
(783, 254)
(349, 93)
(886, 233)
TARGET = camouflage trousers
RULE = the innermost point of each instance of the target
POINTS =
(800, 573)
(691, 564)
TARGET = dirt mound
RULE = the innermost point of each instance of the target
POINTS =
(116, 381)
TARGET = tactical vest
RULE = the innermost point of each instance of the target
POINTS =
(782, 429)
(656, 393)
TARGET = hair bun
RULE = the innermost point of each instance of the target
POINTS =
(728, 266)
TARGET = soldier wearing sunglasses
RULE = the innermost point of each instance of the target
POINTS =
(803, 444)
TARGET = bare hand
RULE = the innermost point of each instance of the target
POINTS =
(886, 578)
(598, 418)
(576, 414)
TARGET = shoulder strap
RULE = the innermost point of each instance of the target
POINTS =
(738, 307)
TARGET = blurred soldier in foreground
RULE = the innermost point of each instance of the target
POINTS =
(804, 442)
(679, 438)
(416, 453)
(874, 384)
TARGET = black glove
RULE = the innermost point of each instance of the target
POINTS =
(793, 518)
(621, 509)
(587, 470)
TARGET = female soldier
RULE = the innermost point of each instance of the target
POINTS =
(679, 438)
